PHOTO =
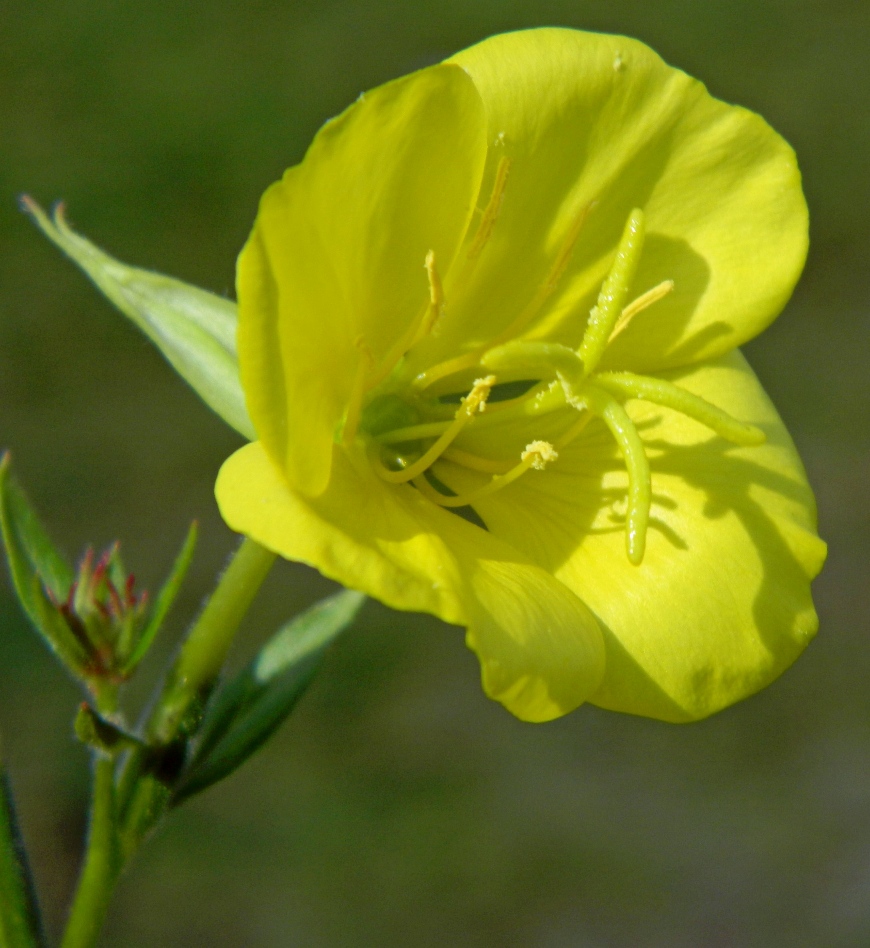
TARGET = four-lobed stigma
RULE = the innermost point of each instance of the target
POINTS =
(409, 434)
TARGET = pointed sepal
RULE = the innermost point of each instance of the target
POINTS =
(194, 329)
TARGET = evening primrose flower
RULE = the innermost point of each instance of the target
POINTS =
(487, 338)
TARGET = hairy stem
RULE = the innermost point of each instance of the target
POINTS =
(102, 863)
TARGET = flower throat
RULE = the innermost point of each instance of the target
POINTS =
(409, 434)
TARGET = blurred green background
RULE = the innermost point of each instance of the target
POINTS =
(399, 806)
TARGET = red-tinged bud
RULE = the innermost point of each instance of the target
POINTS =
(103, 613)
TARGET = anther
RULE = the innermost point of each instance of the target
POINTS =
(424, 324)
(436, 298)
(536, 455)
(475, 400)
(539, 454)
(644, 301)
(551, 281)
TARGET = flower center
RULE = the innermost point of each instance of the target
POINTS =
(410, 434)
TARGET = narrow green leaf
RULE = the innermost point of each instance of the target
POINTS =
(20, 925)
(34, 563)
(165, 599)
(56, 573)
(246, 712)
(194, 329)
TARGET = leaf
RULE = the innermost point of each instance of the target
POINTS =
(194, 329)
(247, 711)
(20, 925)
(165, 599)
(56, 573)
(34, 563)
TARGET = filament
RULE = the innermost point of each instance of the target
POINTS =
(419, 328)
(358, 390)
(476, 463)
(490, 213)
(473, 402)
(536, 455)
(469, 359)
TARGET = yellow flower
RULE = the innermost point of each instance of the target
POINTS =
(487, 336)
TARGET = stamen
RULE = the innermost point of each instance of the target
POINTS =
(611, 299)
(421, 327)
(551, 281)
(574, 431)
(490, 213)
(470, 359)
(480, 240)
(449, 367)
(476, 463)
(539, 454)
(639, 305)
(474, 401)
(663, 393)
(358, 390)
(631, 447)
(431, 429)
(536, 455)
(436, 301)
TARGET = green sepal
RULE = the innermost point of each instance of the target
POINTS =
(20, 924)
(36, 566)
(102, 735)
(247, 711)
(164, 601)
(194, 329)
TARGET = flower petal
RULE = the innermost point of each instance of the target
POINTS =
(334, 269)
(540, 649)
(721, 603)
(600, 123)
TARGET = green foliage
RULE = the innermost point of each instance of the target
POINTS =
(38, 570)
(165, 599)
(247, 711)
(91, 620)
(20, 925)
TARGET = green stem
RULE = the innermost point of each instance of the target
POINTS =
(19, 916)
(143, 793)
(102, 863)
(120, 818)
(204, 651)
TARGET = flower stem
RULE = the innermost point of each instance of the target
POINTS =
(143, 790)
(102, 863)
(204, 651)
(121, 815)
